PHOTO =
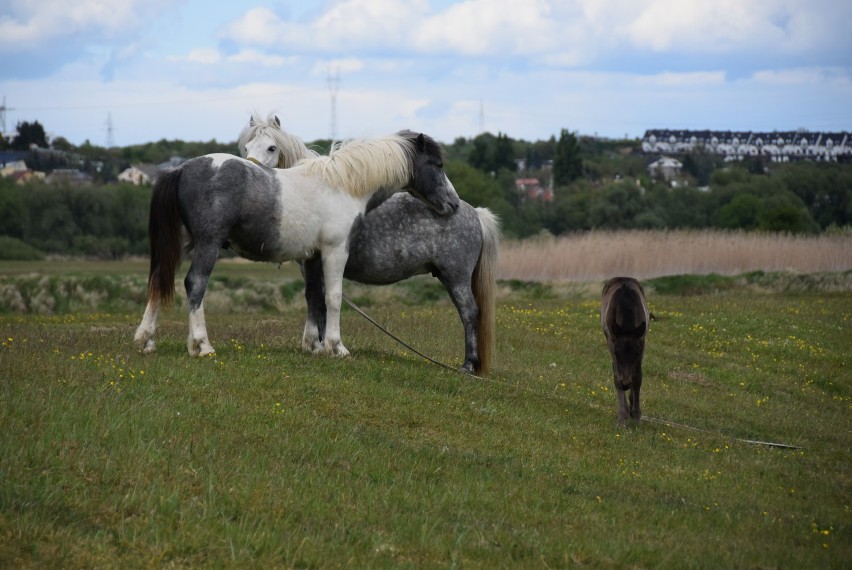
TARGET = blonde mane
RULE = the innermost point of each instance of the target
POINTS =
(291, 149)
(363, 166)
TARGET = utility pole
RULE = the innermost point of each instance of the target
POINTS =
(109, 140)
(333, 82)
(481, 117)
(3, 109)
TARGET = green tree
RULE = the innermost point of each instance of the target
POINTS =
(504, 154)
(701, 163)
(567, 164)
(29, 133)
(479, 155)
(740, 213)
(616, 207)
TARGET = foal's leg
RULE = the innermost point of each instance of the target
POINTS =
(462, 297)
(147, 330)
(315, 299)
(203, 259)
(621, 409)
(635, 409)
(333, 263)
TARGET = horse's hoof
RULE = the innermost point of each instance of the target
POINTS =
(337, 349)
(144, 342)
(200, 348)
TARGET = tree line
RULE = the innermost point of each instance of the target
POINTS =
(597, 184)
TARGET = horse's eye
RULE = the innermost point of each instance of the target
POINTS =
(271, 149)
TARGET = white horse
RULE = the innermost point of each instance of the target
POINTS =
(399, 237)
(219, 200)
(268, 144)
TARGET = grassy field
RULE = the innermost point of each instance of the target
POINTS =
(262, 456)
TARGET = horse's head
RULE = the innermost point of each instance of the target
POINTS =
(627, 347)
(262, 148)
(428, 180)
(267, 144)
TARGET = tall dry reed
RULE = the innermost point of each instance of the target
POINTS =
(645, 254)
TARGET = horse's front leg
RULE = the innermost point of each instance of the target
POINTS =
(635, 408)
(315, 299)
(333, 264)
(146, 332)
(203, 260)
(621, 410)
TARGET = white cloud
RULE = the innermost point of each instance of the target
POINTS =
(206, 56)
(486, 27)
(337, 66)
(258, 26)
(26, 24)
(251, 56)
(805, 77)
(563, 32)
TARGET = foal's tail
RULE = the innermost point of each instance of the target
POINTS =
(485, 286)
(164, 235)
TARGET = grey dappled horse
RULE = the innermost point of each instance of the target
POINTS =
(220, 200)
(398, 237)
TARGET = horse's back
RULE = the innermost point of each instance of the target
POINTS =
(402, 236)
(623, 303)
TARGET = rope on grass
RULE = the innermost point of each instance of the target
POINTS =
(660, 421)
(691, 428)
(405, 344)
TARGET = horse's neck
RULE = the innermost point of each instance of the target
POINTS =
(380, 198)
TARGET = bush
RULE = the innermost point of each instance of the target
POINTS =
(14, 249)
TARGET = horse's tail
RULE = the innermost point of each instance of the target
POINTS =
(485, 286)
(164, 235)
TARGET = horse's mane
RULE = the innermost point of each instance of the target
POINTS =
(291, 149)
(361, 166)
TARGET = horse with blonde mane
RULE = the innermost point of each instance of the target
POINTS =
(223, 201)
(398, 237)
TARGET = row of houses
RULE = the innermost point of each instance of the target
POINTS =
(775, 146)
(13, 165)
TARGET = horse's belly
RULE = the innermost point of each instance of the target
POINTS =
(285, 239)
(373, 271)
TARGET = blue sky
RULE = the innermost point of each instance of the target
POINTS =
(196, 69)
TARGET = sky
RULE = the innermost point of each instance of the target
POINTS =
(137, 71)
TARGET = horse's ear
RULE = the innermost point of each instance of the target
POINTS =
(421, 142)
(252, 122)
(277, 121)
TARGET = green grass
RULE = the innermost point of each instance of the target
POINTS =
(263, 456)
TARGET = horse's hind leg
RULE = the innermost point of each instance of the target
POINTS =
(462, 297)
(147, 330)
(333, 263)
(315, 298)
(203, 260)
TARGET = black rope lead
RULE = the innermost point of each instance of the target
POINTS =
(405, 344)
